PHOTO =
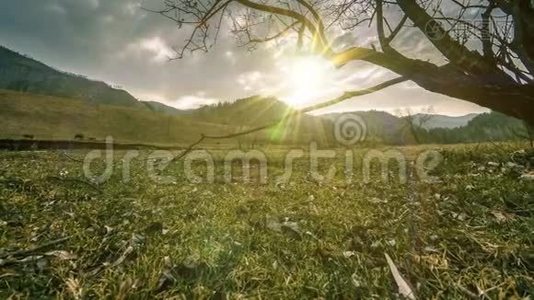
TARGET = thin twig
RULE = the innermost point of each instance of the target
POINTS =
(64, 153)
(94, 187)
(35, 249)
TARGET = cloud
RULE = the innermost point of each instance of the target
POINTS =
(94, 3)
(250, 80)
(155, 46)
(193, 101)
(56, 8)
(118, 42)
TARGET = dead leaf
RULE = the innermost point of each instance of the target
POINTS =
(75, 288)
(62, 255)
(292, 229)
(356, 281)
(501, 217)
(123, 257)
(5, 275)
(349, 254)
(404, 288)
(528, 176)
(273, 224)
(377, 201)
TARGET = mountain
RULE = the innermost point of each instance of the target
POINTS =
(164, 109)
(56, 118)
(384, 128)
(380, 127)
(43, 117)
(428, 121)
(24, 74)
(485, 127)
(41, 102)
(255, 111)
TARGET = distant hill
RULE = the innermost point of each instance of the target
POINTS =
(382, 127)
(257, 111)
(24, 74)
(253, 110)
(441, 121)
(41, 102)
(57, 118)
(485, 127)
(385, 128)
(164, 109)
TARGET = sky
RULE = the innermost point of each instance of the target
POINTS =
(120, 43)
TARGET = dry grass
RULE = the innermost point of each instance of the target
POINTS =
(470, 235)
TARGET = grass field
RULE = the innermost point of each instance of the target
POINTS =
(468, 234)
(56, 118)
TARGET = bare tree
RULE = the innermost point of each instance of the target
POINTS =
(413, 123)
(491, 63)
(528, 134)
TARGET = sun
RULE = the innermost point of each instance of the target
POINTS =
(306, 77)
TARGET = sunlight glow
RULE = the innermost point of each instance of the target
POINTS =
(158, 47)
(307, 77)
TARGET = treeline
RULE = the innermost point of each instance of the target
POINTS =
(483, 128)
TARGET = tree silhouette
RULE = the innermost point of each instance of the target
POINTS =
(487, 45)
(414, 124)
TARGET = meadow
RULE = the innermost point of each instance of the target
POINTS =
(468, 233)
(57, 118)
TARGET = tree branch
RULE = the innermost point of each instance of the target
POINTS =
(315, 30)
(275, 36)
(456, 53)
(347, 95)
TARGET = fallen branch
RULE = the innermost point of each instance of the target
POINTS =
(11, 261)
(5, 275)
(64, 153)
(34, 249)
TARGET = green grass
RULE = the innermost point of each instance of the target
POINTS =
(471, 232)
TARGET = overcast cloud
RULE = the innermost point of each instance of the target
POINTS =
(117, 42)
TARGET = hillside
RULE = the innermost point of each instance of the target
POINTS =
(492, 126)
(382, 127)
(440, 121)
(385, 128)
(45, 103)
(164, 109)
(24, 74)
(257, 111)
(254, 110)
(48, 117)
(57, 118)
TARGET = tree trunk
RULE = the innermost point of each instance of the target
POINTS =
(514, 101)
